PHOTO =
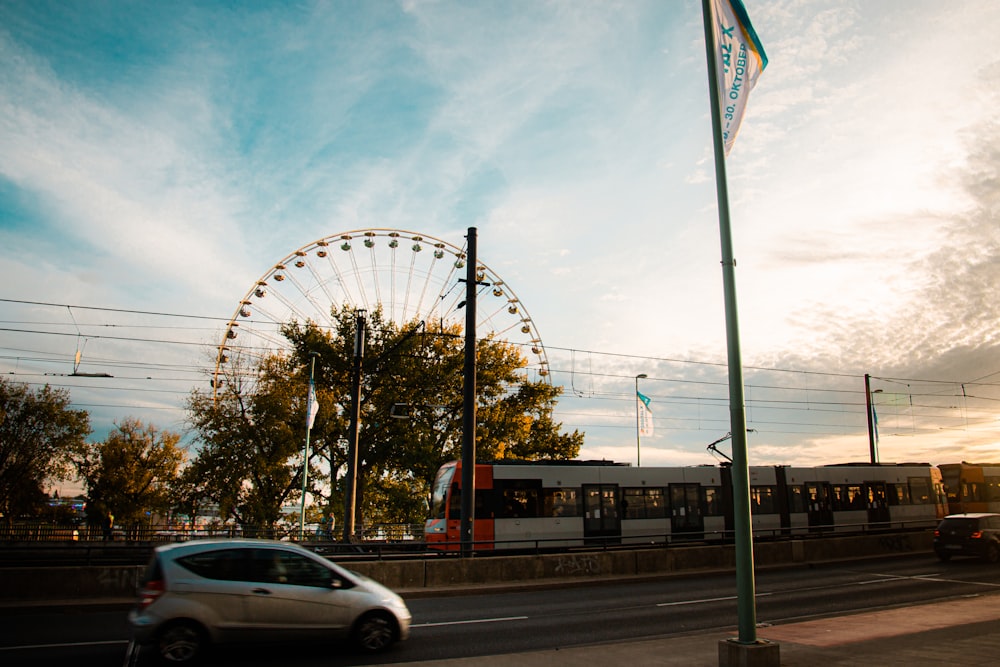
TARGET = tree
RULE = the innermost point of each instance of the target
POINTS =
(39, 435)
(130, 473)
(252, 433)
(253, 430)
(420, 367)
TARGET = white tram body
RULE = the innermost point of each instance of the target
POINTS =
(573, 503)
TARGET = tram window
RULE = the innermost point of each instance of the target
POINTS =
(520, 503)
(713, 501)
(455, 503)
(971, 492)
(838, 498)
(485, 503)
(633, 504)
(920, 490)
(762, 499)
(656, 505)
(847, 498)
(561, 502)
(796, 499)
(992, 489)
(898, 494)
(644, 503)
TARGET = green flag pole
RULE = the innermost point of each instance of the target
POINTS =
(746, 603)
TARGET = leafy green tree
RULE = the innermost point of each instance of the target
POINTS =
(39, 436)
(252, 433)
(131, 471)
(421, 368)
(187, 494)
(253, 429)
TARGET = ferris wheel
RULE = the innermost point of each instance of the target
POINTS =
(413, 277)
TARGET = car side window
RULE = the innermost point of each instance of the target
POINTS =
(277, 566)
(224, 564)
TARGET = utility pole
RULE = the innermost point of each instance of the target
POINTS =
(469, 401)
(872, 444)
(351, 481)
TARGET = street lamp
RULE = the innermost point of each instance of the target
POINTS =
(638, 455)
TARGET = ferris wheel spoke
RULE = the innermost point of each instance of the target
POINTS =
(370, 244)
(348, 248)
(293, 309)
(323, 285)
(308, 296)
(409, 281)
(427, 282)
(348, 297)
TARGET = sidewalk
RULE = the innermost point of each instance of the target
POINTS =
(961, 633)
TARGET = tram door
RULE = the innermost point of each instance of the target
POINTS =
(601, 517)
(877, 500)
(685, 508)
(819, 495)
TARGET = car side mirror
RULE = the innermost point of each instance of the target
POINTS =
(336, 583)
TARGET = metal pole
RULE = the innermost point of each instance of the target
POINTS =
(872, 447)
(745, 588)
(350, 490)
(305, 461)
(638, 453)
(469, 401)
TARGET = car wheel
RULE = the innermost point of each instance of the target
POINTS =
(375, 631)
(993, 552)
(181, 643)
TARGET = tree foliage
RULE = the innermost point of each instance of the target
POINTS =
(39, 435)
(130, 472)
(418, 370)
(252, 432)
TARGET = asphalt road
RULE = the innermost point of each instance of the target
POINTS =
(503, 623)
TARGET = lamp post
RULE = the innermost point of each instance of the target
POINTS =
(638, 454)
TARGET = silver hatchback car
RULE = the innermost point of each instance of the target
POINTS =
(220, 591)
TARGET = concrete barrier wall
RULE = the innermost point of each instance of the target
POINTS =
(69, 583)
(75, 583)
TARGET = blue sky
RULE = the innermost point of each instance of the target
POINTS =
(161, 157)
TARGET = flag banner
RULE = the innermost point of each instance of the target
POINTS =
(312, 406)
(740, 59)
(645, 414)
(875, 422)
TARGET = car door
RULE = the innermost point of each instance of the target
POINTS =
(293, 594)
(213, 584)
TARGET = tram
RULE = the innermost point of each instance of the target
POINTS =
(536, 504)
(972, 487)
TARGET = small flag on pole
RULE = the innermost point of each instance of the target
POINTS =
(875, 422)
(645, 415)
(740, 59)
(312, 406)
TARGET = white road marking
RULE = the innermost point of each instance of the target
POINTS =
(65, 645)
(475, 620)
(684, 602)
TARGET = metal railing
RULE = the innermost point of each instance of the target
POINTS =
(43, 532)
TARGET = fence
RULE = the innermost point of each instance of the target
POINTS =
(42, 532)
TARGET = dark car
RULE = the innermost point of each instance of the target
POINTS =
(968, 535)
